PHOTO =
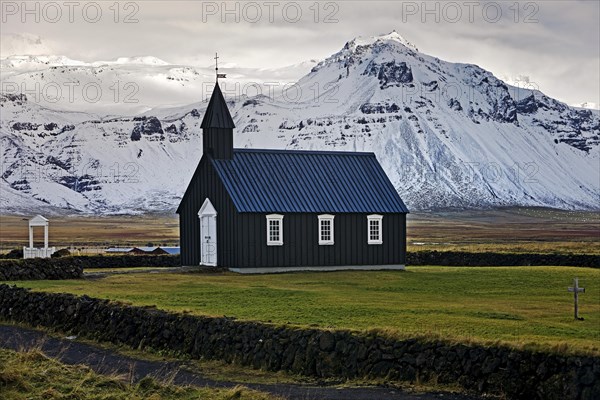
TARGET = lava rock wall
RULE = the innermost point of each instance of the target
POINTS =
(516, 374)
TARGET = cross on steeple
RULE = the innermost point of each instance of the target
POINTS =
(217, 64)
(217, 68)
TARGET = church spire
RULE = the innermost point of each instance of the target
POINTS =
(217, 126)
(217, 114)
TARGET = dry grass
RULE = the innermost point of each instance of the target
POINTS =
(558, 247)
(93, 231)
(509, 230)
(32, 375)
(530, 230)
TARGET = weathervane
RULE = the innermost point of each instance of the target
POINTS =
(217, 68)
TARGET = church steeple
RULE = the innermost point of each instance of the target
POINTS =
(217, 127)
(217, 114)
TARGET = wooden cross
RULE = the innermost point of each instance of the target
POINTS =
(576, 290)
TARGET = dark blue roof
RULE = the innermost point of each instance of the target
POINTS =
(172, 250)
(307, 182)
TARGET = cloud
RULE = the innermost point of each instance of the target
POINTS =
(555, 43)
(23, 43)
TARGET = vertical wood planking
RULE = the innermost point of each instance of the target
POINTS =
(301, 242)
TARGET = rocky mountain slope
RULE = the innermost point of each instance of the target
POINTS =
(448, 135)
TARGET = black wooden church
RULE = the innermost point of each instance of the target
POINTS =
(258, 211)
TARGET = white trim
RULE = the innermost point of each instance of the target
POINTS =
(279, 219)
(330, 218)
(207, 209)
(279, 270)
(379, 219)
(38, 220)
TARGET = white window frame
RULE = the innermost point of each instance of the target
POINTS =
(379, 219)
(279, 219)
(330, 218)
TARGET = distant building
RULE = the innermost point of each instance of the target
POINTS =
(119, 250)
(256, 211)
(170, 250)
(144, 250)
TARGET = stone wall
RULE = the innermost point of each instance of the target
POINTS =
(40, 268)
(456, 258)
(518, 374)
(132, 261)
(72, 267)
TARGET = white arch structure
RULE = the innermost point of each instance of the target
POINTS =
(32, 252)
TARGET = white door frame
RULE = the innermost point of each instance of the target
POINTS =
(208, 234)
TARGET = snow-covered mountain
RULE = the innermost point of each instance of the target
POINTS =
(588, 105)
(130, 85)
(448, 135)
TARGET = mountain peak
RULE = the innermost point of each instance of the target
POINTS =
(148, 60)
(355, 50)
(392, 36)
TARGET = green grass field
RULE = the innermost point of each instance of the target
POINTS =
(31, 375)
(520, 306)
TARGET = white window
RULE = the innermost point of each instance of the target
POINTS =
(326, 234)
(274, 230)
(375, 229)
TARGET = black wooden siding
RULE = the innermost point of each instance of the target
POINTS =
(206, 184)
(301, 243)
(218, 143)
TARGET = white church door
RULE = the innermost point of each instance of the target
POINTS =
(208, 234)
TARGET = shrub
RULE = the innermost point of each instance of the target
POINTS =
(61, 253)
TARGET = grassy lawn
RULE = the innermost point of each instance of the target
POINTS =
(118, 269)
(522, 306)
(31, 375)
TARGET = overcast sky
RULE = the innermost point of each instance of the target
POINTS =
(554, 43)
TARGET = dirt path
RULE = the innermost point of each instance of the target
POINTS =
(108, 362)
